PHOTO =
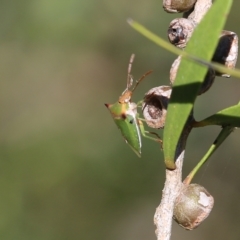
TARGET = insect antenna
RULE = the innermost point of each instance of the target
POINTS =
(140, 79)
(129, 76)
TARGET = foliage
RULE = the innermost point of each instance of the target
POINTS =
(190, 77)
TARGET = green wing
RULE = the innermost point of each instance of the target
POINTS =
(130, 132)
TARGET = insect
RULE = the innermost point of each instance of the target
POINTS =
(125, 115)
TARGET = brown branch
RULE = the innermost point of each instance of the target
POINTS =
(173, 184)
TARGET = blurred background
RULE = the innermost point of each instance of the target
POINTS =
(65, 171)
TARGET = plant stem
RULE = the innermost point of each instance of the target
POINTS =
(172, 187)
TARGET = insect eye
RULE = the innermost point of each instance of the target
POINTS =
(123, 116)
(131, 121)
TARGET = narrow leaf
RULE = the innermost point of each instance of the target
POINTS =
(226, 117)
(224, 133)
(190, 76)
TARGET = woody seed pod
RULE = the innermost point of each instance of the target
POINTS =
(179, 32)
(154, 106)
(208, 80)
(174, 6)
(192, 206)
(227, 51)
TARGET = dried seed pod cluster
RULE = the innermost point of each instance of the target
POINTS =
(180, 32)
(192, 206)
(193, 203)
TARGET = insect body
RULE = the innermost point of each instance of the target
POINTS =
(124, 113)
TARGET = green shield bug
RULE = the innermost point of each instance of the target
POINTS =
(125, 115)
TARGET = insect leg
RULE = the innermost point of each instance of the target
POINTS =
(144, 133)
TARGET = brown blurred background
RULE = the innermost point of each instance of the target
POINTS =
(65, 171)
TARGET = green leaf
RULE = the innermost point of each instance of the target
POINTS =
(226, 117)
(190, 76)
(224, 133)
(203, 44)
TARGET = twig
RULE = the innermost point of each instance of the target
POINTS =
(173, 184)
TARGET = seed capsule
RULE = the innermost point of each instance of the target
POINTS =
(192, 206)
(227, 51)
(155, 104)
(174, 6)
(208, 80)
(179, 32)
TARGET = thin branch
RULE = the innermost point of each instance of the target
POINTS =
(164, 212)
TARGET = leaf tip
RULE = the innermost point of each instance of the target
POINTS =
(130, 21)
